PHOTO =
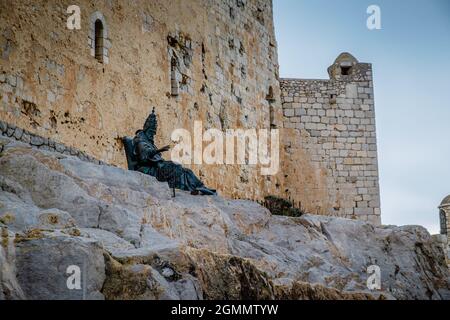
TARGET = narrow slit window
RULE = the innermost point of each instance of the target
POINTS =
(98, 40)
(270, 96)
(273, 124)
(99, 36)
(173, 76)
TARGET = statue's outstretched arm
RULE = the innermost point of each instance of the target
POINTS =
(145, 152)
(164, 149)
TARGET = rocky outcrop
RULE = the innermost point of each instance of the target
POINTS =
(131, 240)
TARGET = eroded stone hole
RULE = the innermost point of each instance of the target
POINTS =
(31, 110)
(240, 4)
(259, 14)
(53, 120)
(204, 61)
(241, 48)
(231, 44)
(184, 79)
(232, 14)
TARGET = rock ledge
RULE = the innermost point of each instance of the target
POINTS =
(131, 240)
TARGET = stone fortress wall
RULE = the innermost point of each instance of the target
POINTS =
(209, 60)
(213, 61)
(332, 125)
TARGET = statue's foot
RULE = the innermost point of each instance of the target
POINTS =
(206, 191)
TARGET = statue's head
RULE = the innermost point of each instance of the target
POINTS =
(151, 124)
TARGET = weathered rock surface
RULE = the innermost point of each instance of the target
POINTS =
(132, 240)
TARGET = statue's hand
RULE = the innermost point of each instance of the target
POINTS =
(164, 149)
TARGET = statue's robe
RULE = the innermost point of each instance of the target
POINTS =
(152, 163)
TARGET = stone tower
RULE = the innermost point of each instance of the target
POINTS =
(444, 217)
(331, 161)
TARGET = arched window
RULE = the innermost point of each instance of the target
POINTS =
(99, 41)
(98, 38)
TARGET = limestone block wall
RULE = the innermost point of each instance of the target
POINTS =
(42, 143)
(330, 162)
(208, 60)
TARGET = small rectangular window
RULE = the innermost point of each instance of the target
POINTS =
(345, 71)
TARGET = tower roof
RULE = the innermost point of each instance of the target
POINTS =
(446, 201)
(345, 58)
(342, 65)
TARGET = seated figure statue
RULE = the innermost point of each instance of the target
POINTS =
(150, 161)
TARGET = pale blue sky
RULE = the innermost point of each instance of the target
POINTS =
(411, 64)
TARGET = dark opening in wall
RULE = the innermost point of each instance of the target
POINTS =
(270, 96)
(345, 71)
(173, 76)
(273, 125)
(98, 39)
(332, 98)
(232, 14)
(99, 36)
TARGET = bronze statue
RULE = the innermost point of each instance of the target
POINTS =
(148, 160)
